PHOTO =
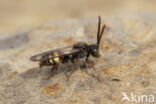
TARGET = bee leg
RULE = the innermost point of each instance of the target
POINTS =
(90, 64)
(75, 60)
(54, 68)
(87, 56)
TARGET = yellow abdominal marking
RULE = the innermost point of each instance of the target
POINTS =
(56, 54)
(51, 61)
(56, 59)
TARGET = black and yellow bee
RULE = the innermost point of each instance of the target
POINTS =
(70, 53)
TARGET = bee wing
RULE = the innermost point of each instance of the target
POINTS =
(61, 52)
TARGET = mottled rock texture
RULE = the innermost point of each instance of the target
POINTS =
(128, 53)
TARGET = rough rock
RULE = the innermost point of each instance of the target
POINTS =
(128, 54)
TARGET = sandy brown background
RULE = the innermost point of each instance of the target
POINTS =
(20, 14)
(128, 50)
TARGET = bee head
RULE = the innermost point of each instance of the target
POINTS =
(94, 50)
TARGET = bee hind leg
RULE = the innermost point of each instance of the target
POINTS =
(53, 69)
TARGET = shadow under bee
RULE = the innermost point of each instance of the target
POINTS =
(43, 72)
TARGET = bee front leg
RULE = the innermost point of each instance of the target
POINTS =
(87, 56)
(90, 64)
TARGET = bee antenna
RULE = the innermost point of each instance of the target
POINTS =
(98, 32)
(103, 28)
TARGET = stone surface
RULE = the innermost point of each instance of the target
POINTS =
(128, 53)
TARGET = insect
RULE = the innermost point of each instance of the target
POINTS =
(71, 53)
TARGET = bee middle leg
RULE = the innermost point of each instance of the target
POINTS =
(53, 69)
(73, 68)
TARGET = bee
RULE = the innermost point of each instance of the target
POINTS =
(71, 53)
